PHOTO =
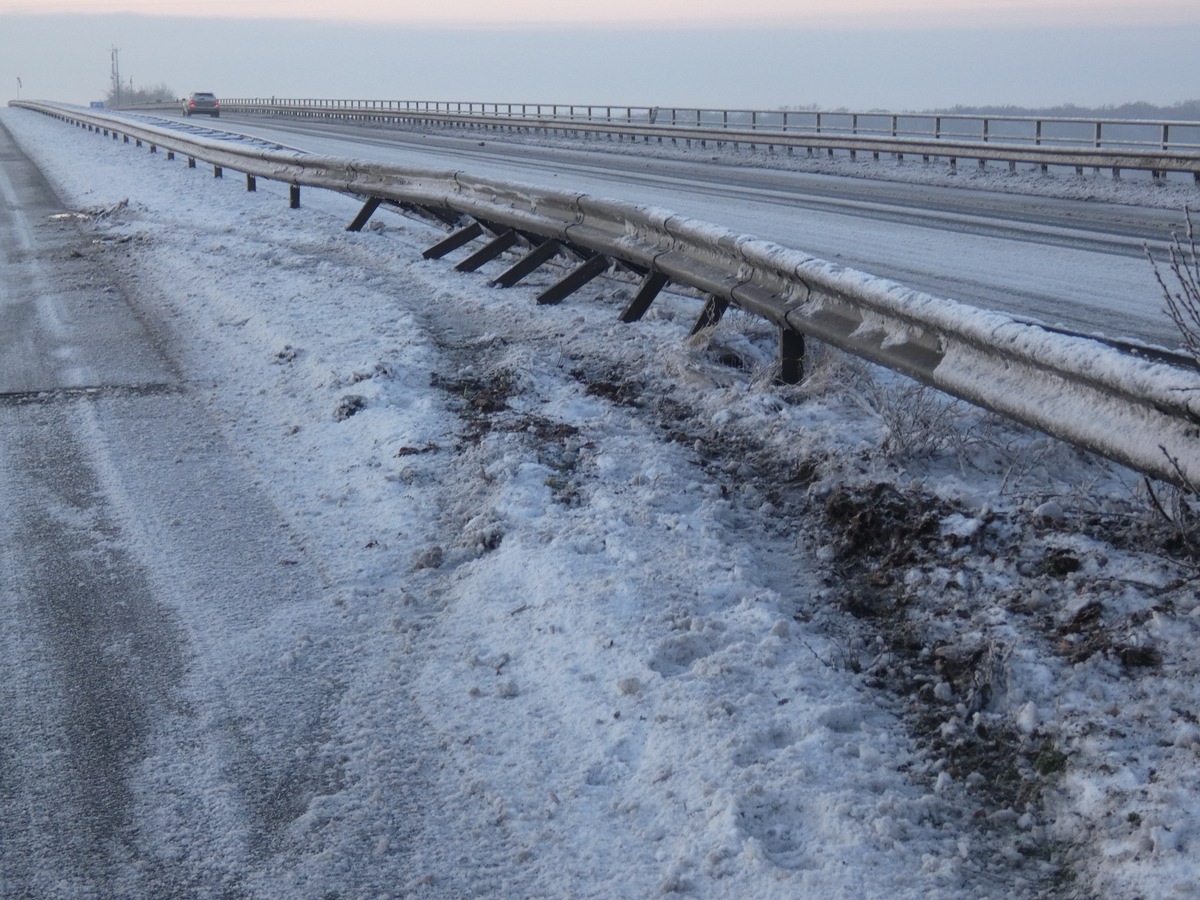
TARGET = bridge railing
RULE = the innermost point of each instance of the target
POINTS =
(1154, 146)
(1111, 132)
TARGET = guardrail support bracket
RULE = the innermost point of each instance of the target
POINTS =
(488, 252)
(581, 275)
(652, 284)
(453, 241)
(364, 214)
(528, 264)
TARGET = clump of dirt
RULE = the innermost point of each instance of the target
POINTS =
(877, 528)
(477, 399)
(953, 690)
(349, 405)
(611, 386)
(1087, 634)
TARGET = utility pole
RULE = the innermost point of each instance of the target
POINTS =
(116, 77)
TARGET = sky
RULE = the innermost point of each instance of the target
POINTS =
(860, 54)
(664, 13)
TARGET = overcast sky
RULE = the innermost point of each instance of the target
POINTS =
(863, 54)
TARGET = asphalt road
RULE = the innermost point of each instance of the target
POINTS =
(143, 582)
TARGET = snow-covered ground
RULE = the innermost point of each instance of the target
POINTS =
(662, 625)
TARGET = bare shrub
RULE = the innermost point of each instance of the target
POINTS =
(1181, 287)
(1181, 290)
(919, 421)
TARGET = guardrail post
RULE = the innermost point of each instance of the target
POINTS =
(453, 241)
(531, 262)
(791, 356)
(218, 172)
(365, 214)
(651, 286)
(251, 183)
(294, 197)
(489, 251)
(714, 310)
(591, 268)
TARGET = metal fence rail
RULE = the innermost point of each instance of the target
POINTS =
(1138, 407)
(1113, 133)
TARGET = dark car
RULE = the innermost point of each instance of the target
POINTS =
(201, 103)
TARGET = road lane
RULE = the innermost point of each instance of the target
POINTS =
(150, 744)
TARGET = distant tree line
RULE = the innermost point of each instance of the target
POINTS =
(130, 96)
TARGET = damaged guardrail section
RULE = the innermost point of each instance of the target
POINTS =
(1138, 406)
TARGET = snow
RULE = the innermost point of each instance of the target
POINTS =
(611, 618)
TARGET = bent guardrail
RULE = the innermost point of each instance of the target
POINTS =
(1134, 405)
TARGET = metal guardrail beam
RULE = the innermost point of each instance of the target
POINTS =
(1142, 410)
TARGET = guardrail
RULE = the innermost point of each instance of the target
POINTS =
(1135, 405)
(1157, 146)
